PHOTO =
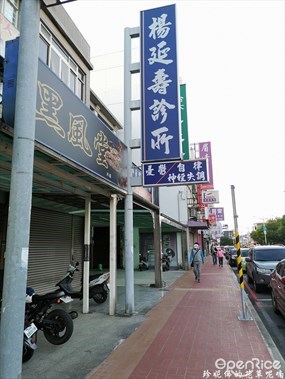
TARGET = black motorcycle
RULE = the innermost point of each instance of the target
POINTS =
(57, 325)
(29, 341)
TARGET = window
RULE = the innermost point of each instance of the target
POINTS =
(43, 50)
(80, 84)
(54, 55)
(11, 11)
(270, 254)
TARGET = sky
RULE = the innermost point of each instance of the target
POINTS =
(231, 58)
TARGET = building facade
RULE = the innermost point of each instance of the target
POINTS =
(63, 176)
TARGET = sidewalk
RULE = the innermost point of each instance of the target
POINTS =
(97, 334)
(194, 333)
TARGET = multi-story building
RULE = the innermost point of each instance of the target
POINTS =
(68, 169)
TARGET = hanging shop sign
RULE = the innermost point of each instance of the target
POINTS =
(210, 197)
(205, 152)
(160, 100)
(218, 212)
(175, 173)
(67, 126)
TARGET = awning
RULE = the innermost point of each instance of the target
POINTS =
(197, 225)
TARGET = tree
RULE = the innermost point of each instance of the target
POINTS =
(224, 241)
(275, 232)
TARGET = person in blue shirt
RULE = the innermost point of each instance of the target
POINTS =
(197, 258)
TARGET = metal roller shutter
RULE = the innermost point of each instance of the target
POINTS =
(77, 248)
(50, 248)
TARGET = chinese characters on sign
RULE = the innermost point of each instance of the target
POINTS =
(205, 152)
(66, 125)
(171, 173)
(159, 85)
(78, 135)
(218, 212)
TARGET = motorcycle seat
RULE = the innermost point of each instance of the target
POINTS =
(48, 296)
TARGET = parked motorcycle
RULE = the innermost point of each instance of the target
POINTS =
(29, 341)
(166, 259)
(57, 325)
(143, 264)
(98, 285)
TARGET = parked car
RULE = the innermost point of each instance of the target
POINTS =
(229, 250)
(261, 261)
(233, 258)
(277, 284)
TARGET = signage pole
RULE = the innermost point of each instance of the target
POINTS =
(18, 232)
(244, 316)
(129, 245)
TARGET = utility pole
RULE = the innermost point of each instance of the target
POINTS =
(18, 231)
(244, 316)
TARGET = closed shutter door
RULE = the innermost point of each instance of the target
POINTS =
(50, 248)
(78, 249)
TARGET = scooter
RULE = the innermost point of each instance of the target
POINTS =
(98, 285)
(143, 265)
(166, 259)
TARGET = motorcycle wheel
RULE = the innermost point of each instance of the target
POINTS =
(99, 296)
(58, 327)
(27, 353)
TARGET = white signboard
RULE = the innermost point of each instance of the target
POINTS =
(210, 197)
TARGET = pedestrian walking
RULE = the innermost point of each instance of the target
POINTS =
(196, 259)
(220, 256)
(214, 254)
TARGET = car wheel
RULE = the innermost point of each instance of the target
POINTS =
(274, 305)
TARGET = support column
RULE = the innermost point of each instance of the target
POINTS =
(18, 232)
(86, 267)
(113, 255)
(157, 250)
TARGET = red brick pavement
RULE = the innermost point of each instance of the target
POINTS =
(194, 325)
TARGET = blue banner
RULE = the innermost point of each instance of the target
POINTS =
(175, 173)
(160, 100)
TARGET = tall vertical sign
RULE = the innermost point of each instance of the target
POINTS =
(160, 102)
(184, 122)
(205, 152)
